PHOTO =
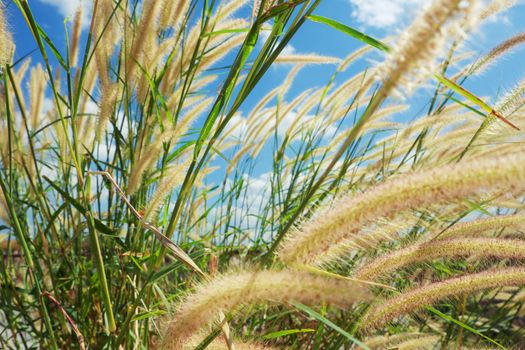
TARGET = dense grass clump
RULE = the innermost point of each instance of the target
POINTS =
(147, 202)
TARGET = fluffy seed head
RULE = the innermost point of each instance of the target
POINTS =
(108, 97)
(427, 295)
(4, 212)
(438, 185)
(75, 36)
(482, 225)
(229, 292)
(505, 47)
(173, 177)
(427, 342)
(424, 39)
(37, 87)
(482, 247)
(307, 59)
(172, 13)
(6, 40)
(496, 6)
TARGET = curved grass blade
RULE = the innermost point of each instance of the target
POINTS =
(350, 31)
(473, 98)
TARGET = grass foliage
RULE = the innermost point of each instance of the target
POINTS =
(144, 203)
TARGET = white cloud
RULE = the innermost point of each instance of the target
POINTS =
(67, 8)
(288, 49)
(238, 126)
(385, 13)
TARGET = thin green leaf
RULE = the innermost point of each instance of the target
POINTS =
(52, 46)
(225, 31)
(149, 314)
(286, 332)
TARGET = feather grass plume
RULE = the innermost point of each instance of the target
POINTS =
(6, 39)
(143, 37)
(505, 47)
(172, 13)
(37, 89)
(496, 6)
(418, 252)
(438, 185)
(415, 299)
(465, 229)
(307, 59)
(108, 97)
(229, 292)
(426, 342)
(172, 178)
(423, 41)
(75, 36)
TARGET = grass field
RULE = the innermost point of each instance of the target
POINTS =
(144, 206)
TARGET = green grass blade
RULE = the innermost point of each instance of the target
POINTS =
(99, 225)
(472, 98)
(330, 324)
(52, 46)
(350, 31)
(465, 326)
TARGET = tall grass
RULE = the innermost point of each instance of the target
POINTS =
(143, 204)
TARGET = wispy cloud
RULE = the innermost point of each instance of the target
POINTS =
(385, 13)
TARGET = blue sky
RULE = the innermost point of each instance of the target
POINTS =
(376, 17)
